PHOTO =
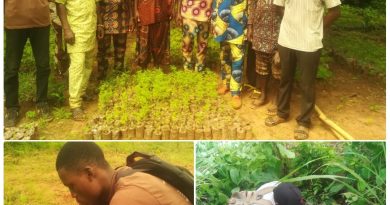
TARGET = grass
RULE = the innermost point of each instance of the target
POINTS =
(38, 182)
(364, 51)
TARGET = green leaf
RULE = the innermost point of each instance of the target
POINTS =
(285, 152)
(335, 188)
(235, 176)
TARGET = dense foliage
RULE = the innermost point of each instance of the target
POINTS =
(327, 173)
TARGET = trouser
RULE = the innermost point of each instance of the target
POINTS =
(195, 29)
(232, 60)
(265, 65)
(308, 63)
(61, 57)
(79, 71)
(153, 41)
(15, 42)
(119, 41)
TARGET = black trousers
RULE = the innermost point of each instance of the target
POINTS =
(308, 64)
(15, 41)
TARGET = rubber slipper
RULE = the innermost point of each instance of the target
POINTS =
(274, 120)
(301, 133)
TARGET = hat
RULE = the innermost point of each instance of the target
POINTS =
(288, 194)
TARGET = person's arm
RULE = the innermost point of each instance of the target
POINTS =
(333, 14)
(130, 6)
(179, 18)
(135, 10)
(100, 23)
(279, 10)
(69, 36)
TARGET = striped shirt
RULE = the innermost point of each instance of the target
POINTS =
(302, 24)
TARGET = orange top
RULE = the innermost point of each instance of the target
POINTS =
(141, 188)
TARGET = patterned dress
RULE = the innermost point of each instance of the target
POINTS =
(153, 32)
(229, 20)
(265, 23)
(116, 17)
(196, 19)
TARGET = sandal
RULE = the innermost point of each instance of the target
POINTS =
(255, 94)
(272, 110)
(274, 120)
(256, 103)
(301, 133)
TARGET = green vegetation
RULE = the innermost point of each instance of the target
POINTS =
(151, 93)
(359, 36)
(30, 176)
(326, 173)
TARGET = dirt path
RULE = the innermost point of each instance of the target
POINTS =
(354, 102)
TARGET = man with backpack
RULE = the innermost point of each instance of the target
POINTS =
(83, 168)
(272, 193)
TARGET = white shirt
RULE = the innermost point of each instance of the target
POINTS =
(269, 196)
(302, 24)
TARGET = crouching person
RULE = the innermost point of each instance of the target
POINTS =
(83, 168)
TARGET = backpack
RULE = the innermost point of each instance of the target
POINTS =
(177, 176)
(251, 197)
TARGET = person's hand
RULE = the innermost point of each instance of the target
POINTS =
(69, 36)
(179, 20)
(249, 33)
(131, 25)
(136, 18)
(100, 32)
(276, 58)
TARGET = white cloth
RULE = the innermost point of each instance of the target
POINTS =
(269, 196)
(302, 25)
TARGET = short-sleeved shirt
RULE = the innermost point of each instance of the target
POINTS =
(270, 196)
(229, 20)
(198, 10)
(20, 14)
(141, 188)
(82, 18)
(116, 16)
(154, 11)
(302, 24)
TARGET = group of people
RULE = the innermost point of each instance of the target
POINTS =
(281, 34)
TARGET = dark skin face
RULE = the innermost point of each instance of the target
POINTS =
(89, 185)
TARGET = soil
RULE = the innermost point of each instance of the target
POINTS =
(355, 102)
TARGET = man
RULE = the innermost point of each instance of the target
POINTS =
(229, 22)
(263, 31)
(24, 20)
(273, 193)
(82, 167)
(300, 43)
(195, 19)
(78, 19)
(153, 31)
(117, 21)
